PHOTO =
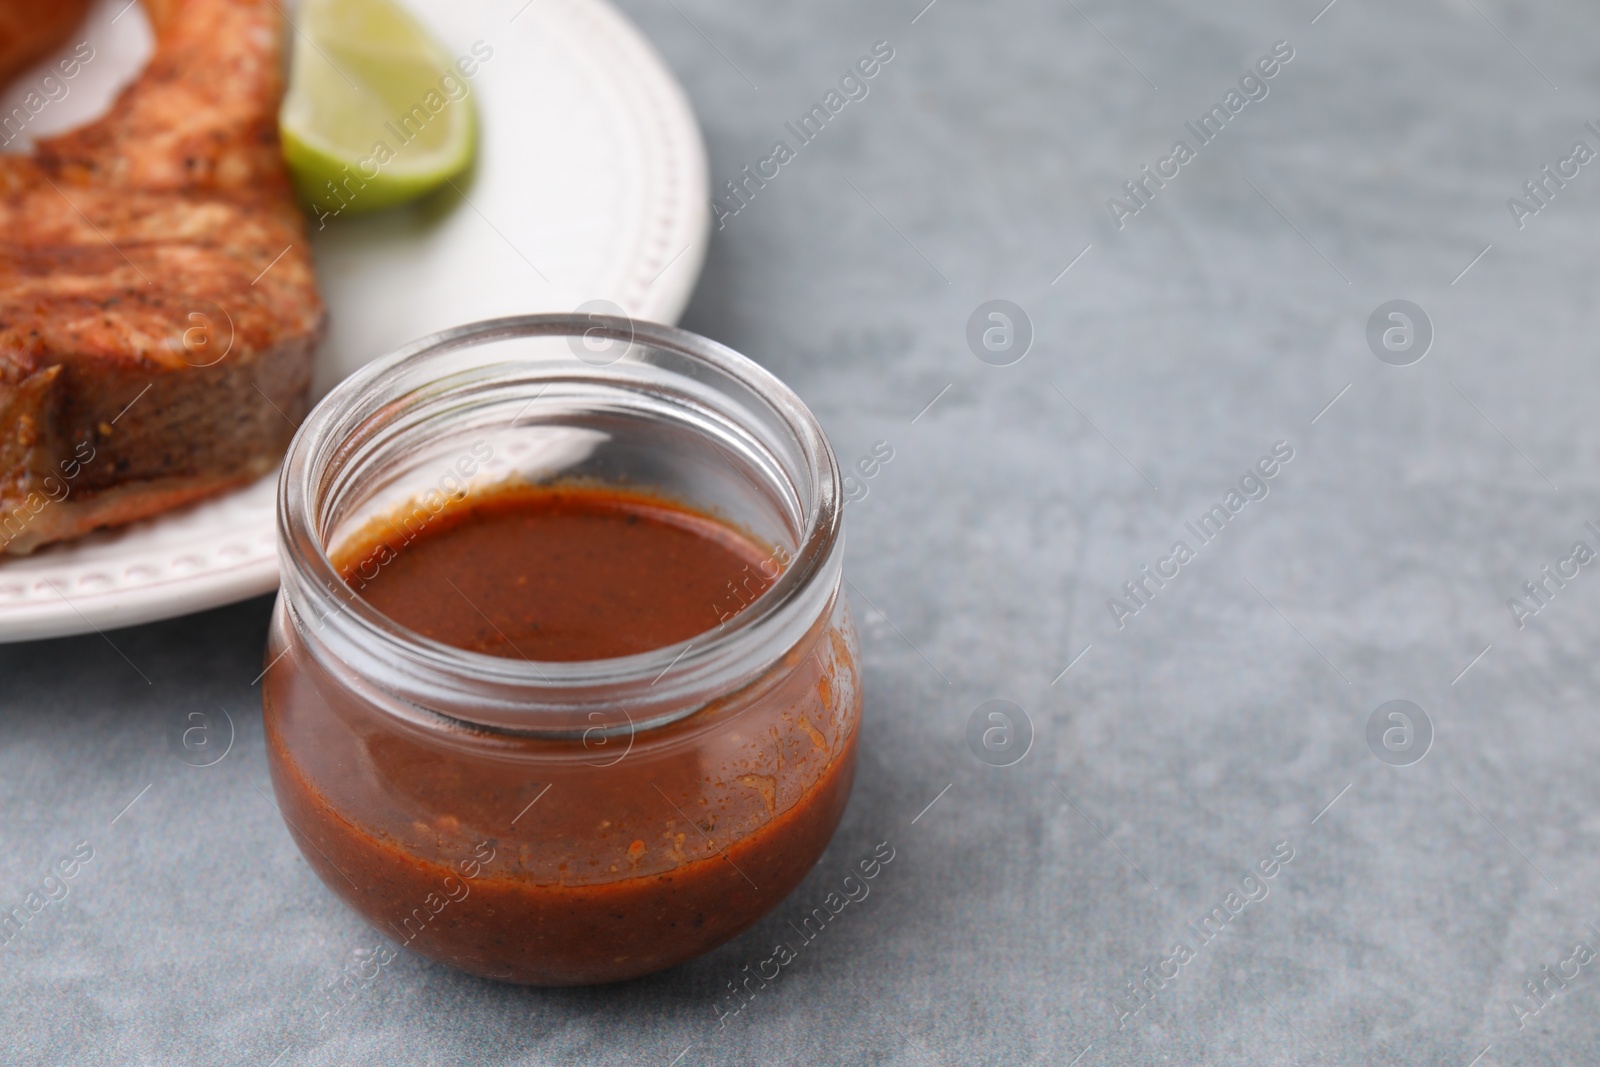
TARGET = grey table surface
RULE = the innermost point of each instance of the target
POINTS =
(1227, 718)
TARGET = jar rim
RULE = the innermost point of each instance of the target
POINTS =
(709, 663)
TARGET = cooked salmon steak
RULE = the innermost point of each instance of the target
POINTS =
(158, 310)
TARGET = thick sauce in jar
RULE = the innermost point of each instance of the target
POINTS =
(560, 574)
(563, 861)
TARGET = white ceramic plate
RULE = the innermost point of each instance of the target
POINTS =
(590, 185)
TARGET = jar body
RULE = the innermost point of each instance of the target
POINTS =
(560, 861)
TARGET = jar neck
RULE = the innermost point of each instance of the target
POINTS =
(375, 422)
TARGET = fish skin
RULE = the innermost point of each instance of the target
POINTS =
(113, 237)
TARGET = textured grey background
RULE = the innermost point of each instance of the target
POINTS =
(1177, 751)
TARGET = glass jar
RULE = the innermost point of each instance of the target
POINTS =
(558, 823)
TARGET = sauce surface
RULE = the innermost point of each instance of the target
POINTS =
(558, 573)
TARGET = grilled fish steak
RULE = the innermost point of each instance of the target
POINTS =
(158, 310)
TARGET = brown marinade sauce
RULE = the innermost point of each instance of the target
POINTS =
(560, 573)
(618, 869)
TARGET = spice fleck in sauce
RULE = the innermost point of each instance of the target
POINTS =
(550, 861)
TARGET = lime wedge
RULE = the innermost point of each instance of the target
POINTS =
(377, 113)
